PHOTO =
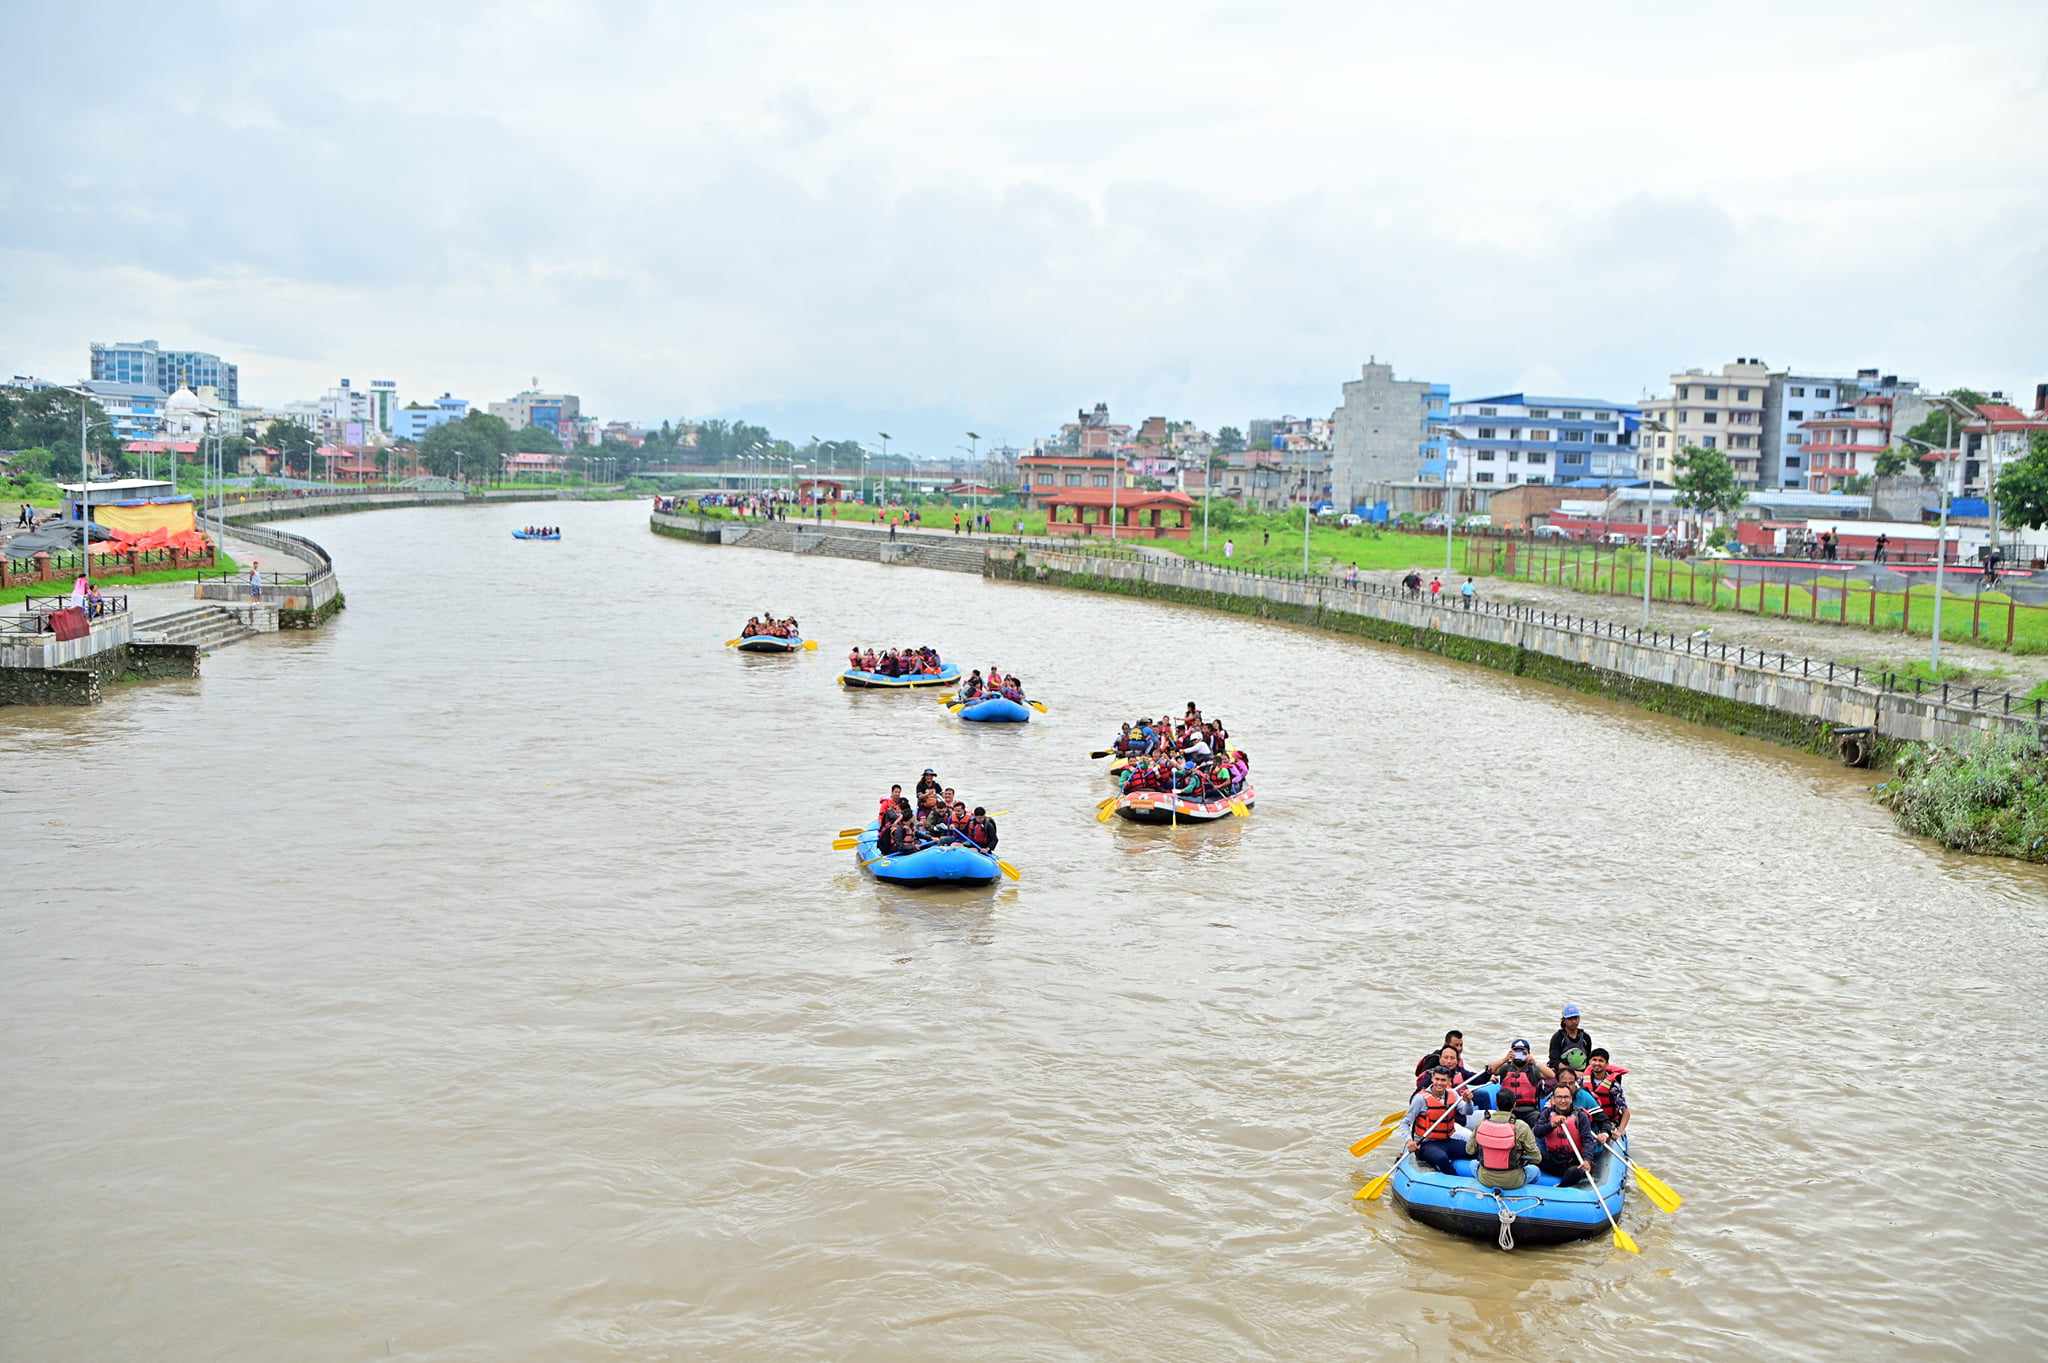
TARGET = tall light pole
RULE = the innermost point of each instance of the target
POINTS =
(1208, 477)
(1948, 423)
(974, 472)
(1449, 439)
(1305, 503)
(885, 466)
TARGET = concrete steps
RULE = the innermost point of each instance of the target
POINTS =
(209, 627)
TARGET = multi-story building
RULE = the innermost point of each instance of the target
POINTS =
(531, 407)
(383, 403)
(1383, 431)
(415, 419)
(2001, 434)
(1845, 441)
(1044, 474)
(1093, 432)
(135, 409)
(1527, 438)
(1723, 411)
(348, 415)
(1790, 401)
(165, 370)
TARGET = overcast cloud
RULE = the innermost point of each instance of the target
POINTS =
(921, 218)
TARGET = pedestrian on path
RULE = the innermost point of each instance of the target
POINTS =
(1883, 543)
(1436, 588)
(1467, 592)
(1229, 550)
(255, 580)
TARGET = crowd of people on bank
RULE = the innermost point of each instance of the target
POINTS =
(896, 662)
(767, 624)
(938, 818)
(996, 683)
(1555, 1116)
(1192, 757)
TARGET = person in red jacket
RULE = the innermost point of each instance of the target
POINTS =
(1567, 1139)
(1603, 1081)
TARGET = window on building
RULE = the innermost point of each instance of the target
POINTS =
(1576, 437)
(1795, 439)
(1713, 395)
(1539, 435)
(1486, 456)
(1539, 414)
(1483, 478)
(1791, 461)
(1070, 480)
(1574, 416)
(1796, 414)
(1538, 457)
(1707, 442)
(1710, 416)
(1599, 437)
(1799, 391)
(1514, 477)
(1489, 411)
(1742, 395)
(1682, 394)
(1820, 392)
(1486, 432)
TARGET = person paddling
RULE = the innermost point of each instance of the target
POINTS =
(1433, 1116)
(1565, 1135)
(1522, 1078)
(1603, 1081)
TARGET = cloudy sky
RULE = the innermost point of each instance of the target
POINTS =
(842, 218)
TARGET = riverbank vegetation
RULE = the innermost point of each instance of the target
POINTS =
(1987, 794)
(114, 585)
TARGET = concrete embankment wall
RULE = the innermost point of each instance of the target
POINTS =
(830, 539)
(1785, 699)
(306, 605)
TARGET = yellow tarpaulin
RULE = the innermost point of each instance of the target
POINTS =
(136, 521)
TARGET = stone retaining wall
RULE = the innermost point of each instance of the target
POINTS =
(1744, 693)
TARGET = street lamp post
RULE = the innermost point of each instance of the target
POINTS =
(1305, 501)
(974, 472)
(885, 466)
(1948, 423)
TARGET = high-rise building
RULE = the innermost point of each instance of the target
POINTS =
(1384, 431)
(1526, 438)
(165, 370)
(1723, 411)
(383, 403)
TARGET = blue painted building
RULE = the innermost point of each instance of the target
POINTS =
(166, 370)
(1436, 415)
(135, 409)
(415, 419)
(1514, 438)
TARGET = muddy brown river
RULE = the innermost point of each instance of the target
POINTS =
(473, 980)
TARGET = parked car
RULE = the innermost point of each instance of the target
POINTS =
(1551, 532)
(1347, 520)
(1614, 537)
(1435, 522)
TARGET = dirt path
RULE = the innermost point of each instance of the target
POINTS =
(1988, 667)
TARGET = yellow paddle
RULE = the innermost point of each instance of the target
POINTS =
(730, 642)
(1106, 809)
(1009, 870)
(1102, 752)
(1622, 1239)
(1241, 809)
(1365, 1145)
(844, 844)
(810, 645)
(1371, 1191)
(1037, 705)
(1662, 1195)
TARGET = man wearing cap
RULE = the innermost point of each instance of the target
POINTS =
(928, 782)
(1521, 1078)
(1569, 1036)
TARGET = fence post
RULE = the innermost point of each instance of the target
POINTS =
(1906, 615)
(1976, 611)
(2011, 609)
(1872, 595)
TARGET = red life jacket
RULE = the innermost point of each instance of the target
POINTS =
(1496, 1144)
(1439, 1115)
(1519, 1084)
(1603, 1093)
(1556, 1141)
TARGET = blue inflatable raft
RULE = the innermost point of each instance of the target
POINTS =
(1543, 1212)
(769, 643)
(522, 535)
(995, 710)
(957, 864)
(854, 677)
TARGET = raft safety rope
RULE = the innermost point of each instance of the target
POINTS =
(1507, 1222)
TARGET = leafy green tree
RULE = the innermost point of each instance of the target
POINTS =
(472, 447)
(1230, 440)
(536, 440)
(1938, 427)
(1893, 462)
(2023, 487)
(47, 418)
(1705, 480)
(295, 444)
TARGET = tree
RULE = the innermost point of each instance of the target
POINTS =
(1893, 462)
(2023, 487)
(47, 418)
(1229, 440)
(1705, 480)
(295, 443)
(1938, 427)
(472, 447)
(536, 440)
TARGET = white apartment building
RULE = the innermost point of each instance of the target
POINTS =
(1515, 438)
(1723, 411)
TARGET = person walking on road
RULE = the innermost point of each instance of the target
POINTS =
(1436, 589)
(1467, 592)
(1229, 550)
(1883, 543)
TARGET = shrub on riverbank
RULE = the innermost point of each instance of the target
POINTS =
(1988, 794)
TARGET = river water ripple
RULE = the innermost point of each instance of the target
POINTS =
(473, 981)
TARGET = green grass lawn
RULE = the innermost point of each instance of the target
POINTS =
(114, 586)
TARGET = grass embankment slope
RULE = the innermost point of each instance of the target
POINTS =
(1988, 795)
